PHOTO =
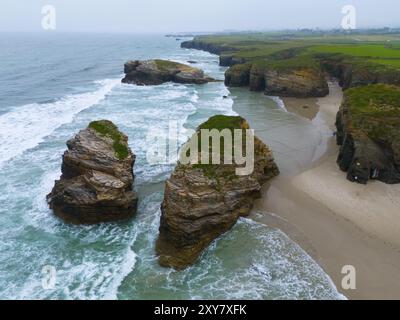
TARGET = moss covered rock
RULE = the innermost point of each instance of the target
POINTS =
(368, 125)
(97, 177)
(155, 72)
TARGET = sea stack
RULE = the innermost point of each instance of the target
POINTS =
(155, 72)
(203, 201)
(368, 131)
(96, 184)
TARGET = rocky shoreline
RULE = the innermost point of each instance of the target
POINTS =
(364, 156)
(274, 80)
(271, 78)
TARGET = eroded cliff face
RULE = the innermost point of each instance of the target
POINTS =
(301, 82)
(291, 82)
(97, 177)
(368, 130)
(201, 202)
(355, 74)
(296, 81)
(155, 72)
(206, 46)
(238, 75)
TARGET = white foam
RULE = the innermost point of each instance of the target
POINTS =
(279, 102)
(26, 126)
(309, 264)
(125, 269)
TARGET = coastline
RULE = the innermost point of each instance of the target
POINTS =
(337, 222)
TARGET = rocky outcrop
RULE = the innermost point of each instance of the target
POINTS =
(351, 71)
(229, 59)
(368, 130)
(354, 73)
(238, 75)
(198, 44)
(225, 52)
(155, 72)
(97, 177)
(201, 202)
(301, 83)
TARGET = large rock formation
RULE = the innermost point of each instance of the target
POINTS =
(97, 177)
(207, 46)
(284, 82)
(155, 72)
(260, 72)
(368, 125)
(281, 76)
(302, 83)
(353, 72)
(202, 201)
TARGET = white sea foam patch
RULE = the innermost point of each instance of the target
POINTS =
(25, 127)
(224, 103)
(279, 102)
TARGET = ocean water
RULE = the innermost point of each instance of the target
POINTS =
(53, 85)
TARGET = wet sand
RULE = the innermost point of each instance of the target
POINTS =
(337, 222)
(307, 108)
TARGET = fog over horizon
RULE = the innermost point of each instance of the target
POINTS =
(173, 16)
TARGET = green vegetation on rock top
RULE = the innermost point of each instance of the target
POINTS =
(375, 109)
(364, 50)
(171, 65)
(221, 122)
(166, 64)
(302, 49)
(376, 99)
(110, 130)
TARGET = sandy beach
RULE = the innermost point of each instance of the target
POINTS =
(337, 222)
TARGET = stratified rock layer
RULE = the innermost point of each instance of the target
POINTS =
(355, 73)
(368, 125)
(201, 202)
(294, 80)
(282, 78)
(97, 177)
(290, 82)
(155, 72)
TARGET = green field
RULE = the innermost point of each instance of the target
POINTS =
(375, 109)
(377, 98)
(364, 50)
(303, 48)
(375, 53)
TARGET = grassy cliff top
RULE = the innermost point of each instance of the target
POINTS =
(375, 50)
(220, 172)
(375, 110)
(221, 122)
(376, 99)
(171, 65)
(110, 130)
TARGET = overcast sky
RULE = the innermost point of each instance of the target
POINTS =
(161, 16)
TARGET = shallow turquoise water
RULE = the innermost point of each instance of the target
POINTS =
(52, 86)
